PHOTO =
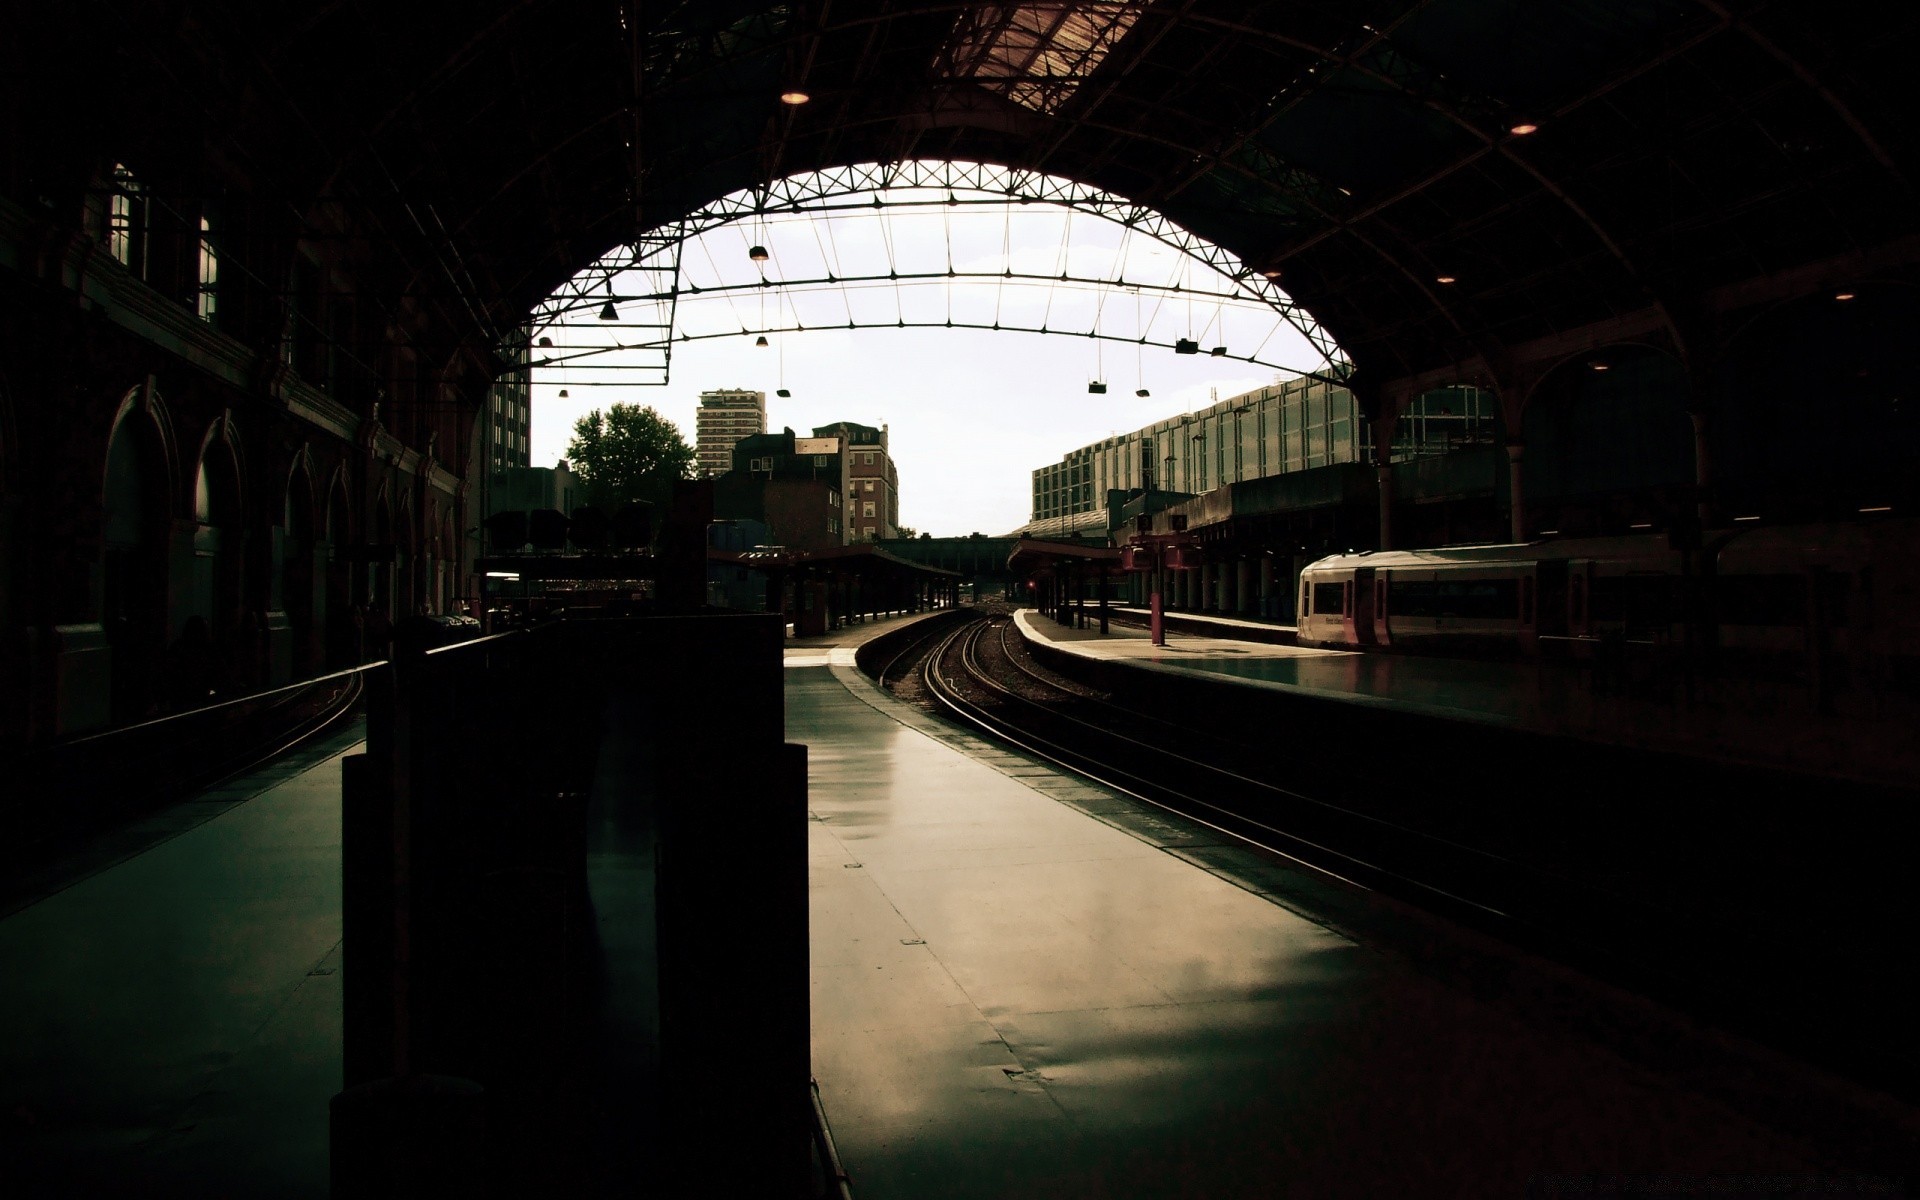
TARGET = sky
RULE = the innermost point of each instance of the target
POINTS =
(970, 413)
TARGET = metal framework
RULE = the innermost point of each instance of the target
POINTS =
(582, 304)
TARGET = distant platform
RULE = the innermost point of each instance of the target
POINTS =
(1767, 727)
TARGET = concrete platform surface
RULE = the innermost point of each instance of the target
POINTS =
(1761, 725)
(173, 1022)
(1026, 986)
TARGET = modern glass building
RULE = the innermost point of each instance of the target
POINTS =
(1295, 425)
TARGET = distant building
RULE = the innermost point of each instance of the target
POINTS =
(795, 486)
(725, 417)
(872, 481)
(522, 489)
(1296, 425)
(510, 410)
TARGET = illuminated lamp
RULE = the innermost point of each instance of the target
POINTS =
(1521, 127)
(1598, 366)
(1443, 279)
(1843, 295)
(794, 96)
(758, 254)
(1271, 272)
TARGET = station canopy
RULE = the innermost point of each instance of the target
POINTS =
(1430, 180)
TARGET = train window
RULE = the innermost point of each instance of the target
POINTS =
(1329, 598)
(1762, 600)
(1346, 599)
(1476, 598)
(1636, 601)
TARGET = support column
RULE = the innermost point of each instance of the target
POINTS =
(1516, 490)
(1222, 592)
(1702, 467)
(1266, 586)
(1383, 472)
(1242, 574)
(1103, 601)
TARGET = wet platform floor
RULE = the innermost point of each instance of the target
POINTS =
(1024, 986)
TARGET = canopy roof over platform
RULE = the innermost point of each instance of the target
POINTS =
(1033, 557)
(1435, 181)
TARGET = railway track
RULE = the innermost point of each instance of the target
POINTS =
(975, 675)
(1202, 777)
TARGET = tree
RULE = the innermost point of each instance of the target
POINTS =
(630, 452)
(906, 531)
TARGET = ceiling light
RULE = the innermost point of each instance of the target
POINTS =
(1271, 272)
(794, 96)
(1443, 279)
(1754, 517)
(563, 393)
(1599, 366)
(1218, 352)
(761, 340)
(608, 312)
(782, 393)
(1878, 508)
(758, 254)
(1521, 128)
(1097, 389)
(1142, 392)
(1185, 346)
(546, 343)
(1843, 295)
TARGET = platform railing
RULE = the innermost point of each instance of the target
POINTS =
(60, 794)
(576, 917)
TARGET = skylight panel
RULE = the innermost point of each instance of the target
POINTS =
(1037, 54)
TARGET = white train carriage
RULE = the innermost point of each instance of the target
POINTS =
(1809, 602)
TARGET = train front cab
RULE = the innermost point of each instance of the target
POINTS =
(1332, 611)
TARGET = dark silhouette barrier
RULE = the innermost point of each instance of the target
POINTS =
(576, 905)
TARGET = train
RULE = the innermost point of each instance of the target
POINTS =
(1807, 602)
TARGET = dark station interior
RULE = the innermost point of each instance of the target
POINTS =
(1530, 820)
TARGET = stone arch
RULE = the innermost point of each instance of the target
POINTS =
(342, 614)
(136, 527)
(217, 575)
(1609, 443)
(301, 570)
(383, 553)
(1816, 405)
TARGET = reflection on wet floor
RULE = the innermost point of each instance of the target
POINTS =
(1011, 998)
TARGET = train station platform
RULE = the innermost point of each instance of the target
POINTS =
(1757, 725)
(1025, 985)
(1022, 985)
(173, 1018)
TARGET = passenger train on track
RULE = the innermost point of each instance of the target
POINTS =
(1787, 601)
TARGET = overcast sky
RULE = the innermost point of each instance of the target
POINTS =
(970, 413)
